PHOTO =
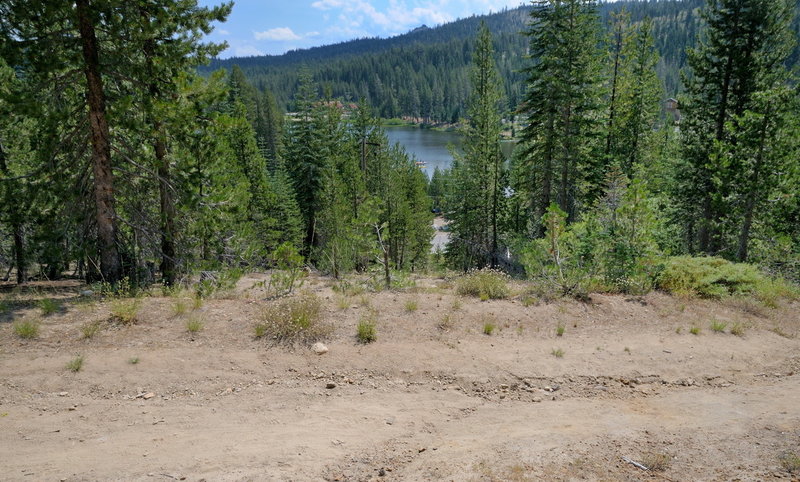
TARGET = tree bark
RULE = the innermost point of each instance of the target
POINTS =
(106, 216)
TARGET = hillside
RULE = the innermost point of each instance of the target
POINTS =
(424, 73)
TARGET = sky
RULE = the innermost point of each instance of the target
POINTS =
(272, 27)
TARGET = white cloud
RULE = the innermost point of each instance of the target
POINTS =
(222, 31)
(280, 33)
(247, 51)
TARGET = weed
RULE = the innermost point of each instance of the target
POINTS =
(790, 462)
(194, 324)
(778, 331)
(366, 331)
(48, 306)
(411, 306)
(748, 305)
(718, 326)
(197, 303)
(363, 300)
(26, 329)
(88, 330)
(695, 330)
(627, 350)
(557, 352)
(133, 360)
(456, 304)
(296, 319)
(560, 329)
(488, 328)
(678, 330)
(446, 323)
(180, 307)
(75, 364)
(125, 311)
(528, 301)
(737, 329)
(656, 461)
(343, 302)
(485, 284)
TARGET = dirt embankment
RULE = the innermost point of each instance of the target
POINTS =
(434, 398)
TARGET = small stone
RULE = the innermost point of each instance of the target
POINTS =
(62, 394)
(503, 387)
(537, 399)
(330, 385)
(87, 293)
(319, 348)
(382, 472)
(148, 395)
(73, 408)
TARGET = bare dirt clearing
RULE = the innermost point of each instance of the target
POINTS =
(433, 398)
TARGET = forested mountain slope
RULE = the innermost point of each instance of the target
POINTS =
(424, 73)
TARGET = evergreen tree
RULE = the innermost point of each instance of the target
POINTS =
(476, 202)
(561, 108)
(742, 50)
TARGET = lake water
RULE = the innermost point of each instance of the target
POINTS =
(425, 145)
(430, 146)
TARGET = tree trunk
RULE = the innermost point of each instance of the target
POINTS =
(106, 216)
(19, 253)
(167, 203)
(750, 205)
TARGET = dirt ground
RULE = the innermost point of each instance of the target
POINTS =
(434, 398)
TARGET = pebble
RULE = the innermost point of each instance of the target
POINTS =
(330, 385)
(148, 395)
(63, 394)
(319, 348)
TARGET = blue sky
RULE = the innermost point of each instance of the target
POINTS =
(258, 27)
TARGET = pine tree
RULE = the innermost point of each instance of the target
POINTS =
(476, 202)
(744, 45)
(561, 108)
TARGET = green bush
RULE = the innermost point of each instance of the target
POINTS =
(48, 306)
(366, 331)
(125, 311)
(485, 284)
(293, 320)
(709, 277)
(26, 329)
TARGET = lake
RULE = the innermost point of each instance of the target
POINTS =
(430, 146)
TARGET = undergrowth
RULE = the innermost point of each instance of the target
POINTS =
(291, 320)
(486, 284)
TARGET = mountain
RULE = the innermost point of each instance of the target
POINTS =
(425, 72)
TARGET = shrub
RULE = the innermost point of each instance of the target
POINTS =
(485, 284)
(180, 307)
(125, 311)
(560, 329)
(411, 306)
(26, 329)
(75, 364)
(695, 330)
(715, 278)
(718, 326)
(366, 331)
(657, 462)
(557, 352)
(293, 320)
(737, 329)
(48, 306)
(790, 463)
(88, 330)
(212, 282)
(289, 274)
(194, 324)
(488, 328)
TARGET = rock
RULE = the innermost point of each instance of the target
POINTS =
(330, 385)
(382, 472)
(87, 293)
(503, 386)
(537, 399)
(62, 394)
(148, 395)
(319, 348)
